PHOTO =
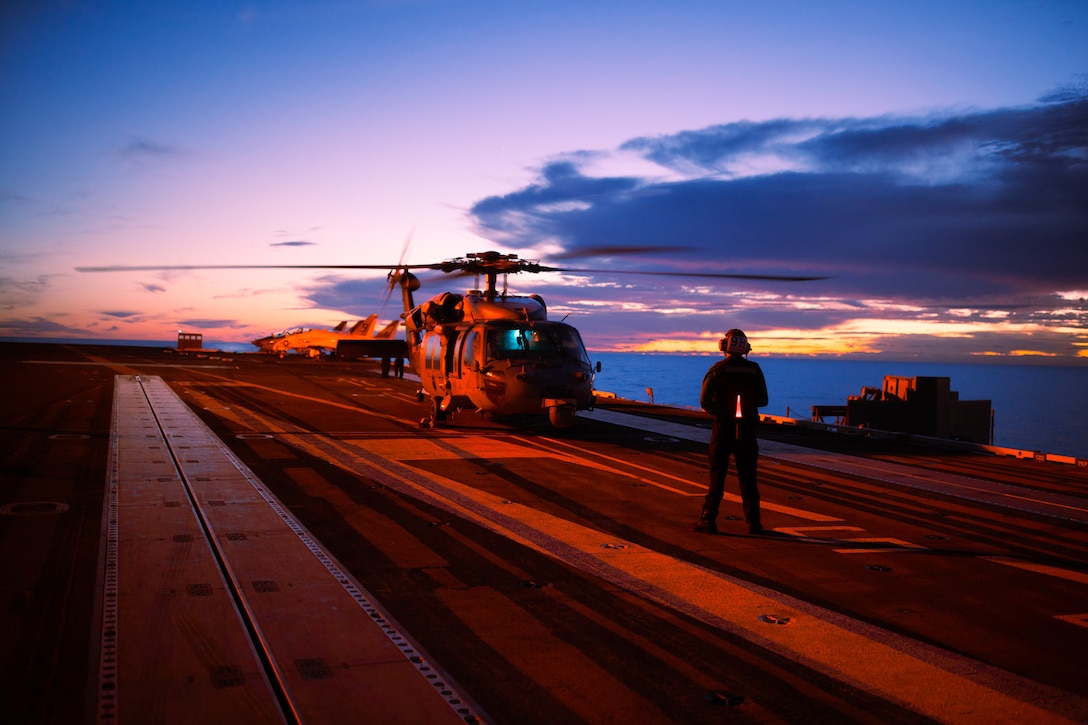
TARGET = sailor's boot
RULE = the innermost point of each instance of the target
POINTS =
(707, 523)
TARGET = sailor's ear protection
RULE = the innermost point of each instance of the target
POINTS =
(734, 343)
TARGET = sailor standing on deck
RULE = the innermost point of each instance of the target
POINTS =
(733, 391)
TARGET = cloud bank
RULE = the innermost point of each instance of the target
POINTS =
(957, 218)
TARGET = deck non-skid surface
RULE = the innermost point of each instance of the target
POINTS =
(236, 509)
(936, 683)
(183, 638)
(219, 607)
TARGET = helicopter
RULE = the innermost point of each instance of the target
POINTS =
(487, 350)
(491, 351)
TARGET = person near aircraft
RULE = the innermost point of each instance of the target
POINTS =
(398, 367)
(732, 392)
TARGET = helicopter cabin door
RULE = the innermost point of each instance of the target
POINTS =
(433, 363)
(468, 361)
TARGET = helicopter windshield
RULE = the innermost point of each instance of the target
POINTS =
(536, 342)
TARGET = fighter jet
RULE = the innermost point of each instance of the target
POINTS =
(317, 343)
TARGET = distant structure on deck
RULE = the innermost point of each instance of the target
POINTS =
(921, 405)
(190, 341)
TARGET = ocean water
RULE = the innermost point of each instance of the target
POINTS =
(1036, 407)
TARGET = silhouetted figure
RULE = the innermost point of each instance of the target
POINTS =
(733, 391)
(385, 367)
(398, 367)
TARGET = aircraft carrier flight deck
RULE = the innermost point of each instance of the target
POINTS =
(243, 539)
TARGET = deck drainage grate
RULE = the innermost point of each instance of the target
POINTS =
(225, 676)
(183, 538)
(236, 537)
(199, 590)
(313, 669)
(265, 586)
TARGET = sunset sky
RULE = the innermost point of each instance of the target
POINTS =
(929, 158)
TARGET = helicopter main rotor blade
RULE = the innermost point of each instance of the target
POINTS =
(486, 263)
(184, 267)
(621, 251)
(707, 275)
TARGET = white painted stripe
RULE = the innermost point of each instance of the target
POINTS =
(1073, 576)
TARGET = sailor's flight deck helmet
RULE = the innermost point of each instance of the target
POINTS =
(735, 342)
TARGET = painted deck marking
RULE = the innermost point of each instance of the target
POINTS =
(1073, 576)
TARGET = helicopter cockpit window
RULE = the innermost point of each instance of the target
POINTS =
(570, 343)
(536, 342)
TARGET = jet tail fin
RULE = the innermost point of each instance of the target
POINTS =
(364, 327)
(389, 331)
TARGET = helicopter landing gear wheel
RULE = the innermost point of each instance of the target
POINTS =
(438, 415)
(562, 416)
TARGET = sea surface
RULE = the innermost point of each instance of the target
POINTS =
(1036, 407)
